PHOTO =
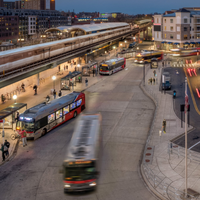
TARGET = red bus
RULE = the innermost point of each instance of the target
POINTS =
(112, 66)
(40, 119)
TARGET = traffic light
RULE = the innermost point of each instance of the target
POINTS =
(164, 126)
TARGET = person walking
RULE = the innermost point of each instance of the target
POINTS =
(3, 155)
(86, 82)
(7, 144)
(67, 67)
(60, 93)
(17, 116)
(54, 93)
(93, 72)
(163, 63)
(23, 136)
(79, 79)
(35, 88)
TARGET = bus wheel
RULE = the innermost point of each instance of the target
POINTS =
(75, 114)
(44, 132)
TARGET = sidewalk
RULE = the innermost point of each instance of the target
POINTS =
(44, 90)
(163, 162)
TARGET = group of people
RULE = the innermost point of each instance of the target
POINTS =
(5, 150)
(152, 81)
(59, 94)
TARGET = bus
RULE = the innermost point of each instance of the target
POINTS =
(112, 66)
(81, 165)
(184, 52)
(146, 56)
(40, 119)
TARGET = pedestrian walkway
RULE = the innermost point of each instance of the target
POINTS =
(163, 166)
(45, 89)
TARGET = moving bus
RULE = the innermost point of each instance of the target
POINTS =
(40, 119)
(146, 56)
(112, 66)
(184, 52)
(81, 165)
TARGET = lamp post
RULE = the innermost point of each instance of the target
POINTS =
(197, 56)
(54, 78)
(105, 55)
(15, 97)
(114, 49)
(78, 66)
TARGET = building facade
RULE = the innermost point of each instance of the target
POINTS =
(9, 27)
(1, 3)
(178, 29)
(9, 4)
(39, 4)
(33, 23)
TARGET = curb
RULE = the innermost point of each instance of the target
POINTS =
(11, 154)
(149, 185)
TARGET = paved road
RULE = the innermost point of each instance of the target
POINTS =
(194, 118)
(127, 114)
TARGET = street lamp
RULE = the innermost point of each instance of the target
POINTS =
(54, 78)
(78, 66)
(105, 55)
(15, 97)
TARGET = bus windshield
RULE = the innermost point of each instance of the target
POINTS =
(103, 68)
(28, 126)
(79, 173)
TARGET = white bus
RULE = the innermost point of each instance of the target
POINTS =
(40, 119)
(81, 165)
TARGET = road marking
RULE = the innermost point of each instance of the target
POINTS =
(192, 95)
(194, 145)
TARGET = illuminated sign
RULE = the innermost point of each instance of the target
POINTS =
(80, 162)
(104, 65)
(157, 24)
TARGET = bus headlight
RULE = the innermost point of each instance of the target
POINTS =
(67, 186)
(92, 184)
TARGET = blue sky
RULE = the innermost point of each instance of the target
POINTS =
(124, 6)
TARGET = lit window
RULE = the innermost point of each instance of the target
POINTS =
(78, 103)
(185, 37)
(72, 106)
(165, 28)
(65, 110)
(59, 114)
(171, 28)
(51, 118)
(165, 35)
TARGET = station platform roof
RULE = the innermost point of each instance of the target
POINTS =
(88, 28)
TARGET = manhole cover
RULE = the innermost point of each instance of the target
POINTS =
(147, 160)
(149, 148)
(148, 154)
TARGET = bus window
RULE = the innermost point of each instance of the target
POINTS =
(28, 126)
(103, 68)
(58, 114)
(72, 106)
(78, 103)
(51, 118)
(65, 110)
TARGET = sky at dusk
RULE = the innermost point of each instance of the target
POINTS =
(124, 6)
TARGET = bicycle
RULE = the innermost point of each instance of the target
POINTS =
(15, 136)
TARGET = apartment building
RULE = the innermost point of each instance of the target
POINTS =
(178, 29)
(29, 23)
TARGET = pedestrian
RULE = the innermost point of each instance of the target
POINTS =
(59, 68)
(35, 89)
(163, 63)
(96, 71)
(64, 67)
(86, 82)
(3, 98)
(150, 80)
(54, 93)
(3, 155)
(153, 81)
(6, 148)
(93, 72)
(60, 93)
(67, 67)
(23, 136)
(17, 116)
(79, 79)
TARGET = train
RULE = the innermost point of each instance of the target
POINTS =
(15, 59)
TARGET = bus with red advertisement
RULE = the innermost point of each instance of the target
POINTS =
(42, 118)
(112, 66)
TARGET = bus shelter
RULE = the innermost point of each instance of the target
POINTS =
(88, 69)
(70, 80)
(9, 114)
